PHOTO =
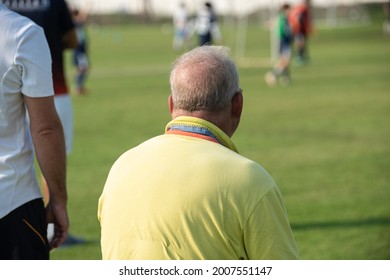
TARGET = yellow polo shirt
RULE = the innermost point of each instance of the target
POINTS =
(179, 196)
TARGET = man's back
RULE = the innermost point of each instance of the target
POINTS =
(184, 197)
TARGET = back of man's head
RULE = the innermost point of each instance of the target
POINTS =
(204, 79)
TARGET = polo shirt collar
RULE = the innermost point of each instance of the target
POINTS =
(199, 127)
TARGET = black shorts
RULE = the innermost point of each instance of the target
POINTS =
(23, 233)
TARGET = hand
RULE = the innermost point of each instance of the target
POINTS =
(57, 214)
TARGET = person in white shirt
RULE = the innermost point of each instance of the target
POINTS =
(180, 25)
(26, 88)
(207, 26)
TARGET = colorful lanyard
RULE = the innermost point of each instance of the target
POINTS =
(200, 128)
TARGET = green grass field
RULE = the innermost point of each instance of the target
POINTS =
(325, 139)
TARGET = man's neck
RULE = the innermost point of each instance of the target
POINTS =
(220, 119)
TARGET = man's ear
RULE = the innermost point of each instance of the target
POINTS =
(170, 104)
(237, 104)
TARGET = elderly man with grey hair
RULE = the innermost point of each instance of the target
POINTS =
(188, 194)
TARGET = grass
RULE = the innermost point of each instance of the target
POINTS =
(325, 139)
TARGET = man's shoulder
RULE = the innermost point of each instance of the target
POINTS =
(18, 25)
(250, 175)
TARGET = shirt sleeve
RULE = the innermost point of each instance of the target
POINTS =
(268, 234)
(34, 61)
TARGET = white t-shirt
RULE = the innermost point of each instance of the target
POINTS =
(25, 69)
(180, 18)
(203, 22)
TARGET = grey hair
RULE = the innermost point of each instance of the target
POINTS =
(204, 79)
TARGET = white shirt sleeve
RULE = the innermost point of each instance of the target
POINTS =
(33, 62)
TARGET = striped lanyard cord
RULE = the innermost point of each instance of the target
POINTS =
(196, 126)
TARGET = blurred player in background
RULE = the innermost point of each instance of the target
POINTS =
(386, 23)
(301, 26)
(281, 70)
(180, 24)
(207, 26)
(80, 53)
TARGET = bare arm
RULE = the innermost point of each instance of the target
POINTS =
(48, 138)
